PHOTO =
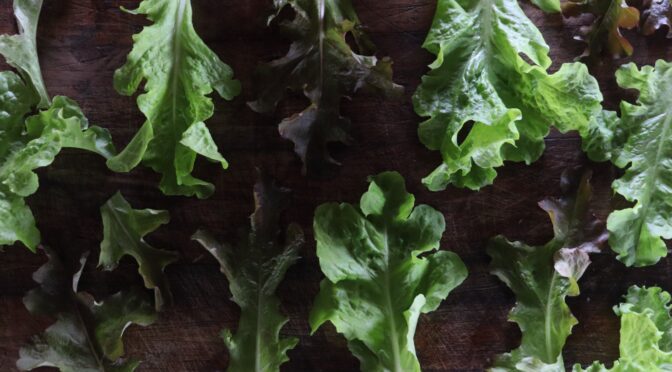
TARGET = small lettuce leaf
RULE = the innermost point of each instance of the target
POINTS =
(382, 271)
(255, 267)
(604, 35)
(321, 64)
(87, 335)
(640, 141)
(488, 97)
(124, 229)
(658, 14)
(179, 73)
(20, 50)
(646, 333)
(541, 277)
(27, 144)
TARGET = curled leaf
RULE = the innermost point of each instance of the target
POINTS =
(124, 229)
(382, 271)
(541, 277)
(488, 97)
(87, 335)
(646, 333)
(321, 64)
(255, 267)
(179, 73)
(657, 15)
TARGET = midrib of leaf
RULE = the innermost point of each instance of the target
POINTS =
(175, 70)
(652, 176)
(485, 10)
(320, 19)
(130, 238)
(390, 310)
(257, 345)
(607, 16)
(548, 318)
(89, 340)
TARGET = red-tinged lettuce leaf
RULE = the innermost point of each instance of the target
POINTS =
(646, 333)
(20, 50)
(488, 97)
(604, 36)
(87, 335)
(657, 15)
(541, 277)
(383, 269)
(124, 229)
(179, 73)
(321, 64)
(255, 267)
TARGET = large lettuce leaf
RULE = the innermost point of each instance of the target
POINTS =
(255, 268)
(322, 65)
(541, 277)
(488, 97)
(640, 141)
(382, 271)
(646, 333)
(87, 335)
(179, 73)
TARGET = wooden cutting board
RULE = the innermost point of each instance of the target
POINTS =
(82, 42)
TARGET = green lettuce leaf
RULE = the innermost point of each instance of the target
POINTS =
(87, 335)
(382, 271)
(255, 267)
(28, 144)
(604, 35)
(20, 50)
(640, 141)
(488, 97)
(124, 229)
(321, 64)
(179, 73)
(541, 277)
(646, 333)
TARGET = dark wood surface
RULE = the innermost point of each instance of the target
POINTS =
(82, 42)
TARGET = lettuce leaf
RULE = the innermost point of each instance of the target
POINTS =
(179, 73)
(31, 142)
(321, 64)
(541, 277)
(20, 50)
(640, 141)
(255, 268)
(646, 333)
(604, 36)
(382, 271)
(87, 335)
(488, 97)
(124, 229)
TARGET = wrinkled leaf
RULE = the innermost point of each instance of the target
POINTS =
(124, 229)
(604, 35)
(87, 335)
(28, 144)
(541, 277)
(255, 267)
(382, 271)
(179, 73)
(20, 50)
(646, 333)
(484, 102)
(322, 65)
(657, 15)
(640, 141)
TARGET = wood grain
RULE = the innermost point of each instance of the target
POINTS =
(82, 42)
